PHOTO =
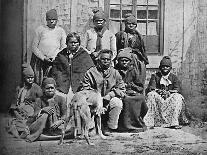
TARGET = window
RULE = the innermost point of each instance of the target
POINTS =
(149, 14)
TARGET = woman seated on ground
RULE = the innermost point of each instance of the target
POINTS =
(134, 102)
(166, 106)
(50, 113)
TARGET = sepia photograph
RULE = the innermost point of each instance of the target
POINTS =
(103, 77)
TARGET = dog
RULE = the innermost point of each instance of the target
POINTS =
(86, 103)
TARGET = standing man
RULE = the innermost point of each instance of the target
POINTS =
(104, 78)
(99, 37)
(48, 41)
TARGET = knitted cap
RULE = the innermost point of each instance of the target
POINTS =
(130, 18)
(27, 70)
(166, 61)
(125, 53)
(48, 81)
(51, 14)
(98, 14)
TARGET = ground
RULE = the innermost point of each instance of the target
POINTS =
(188, 140)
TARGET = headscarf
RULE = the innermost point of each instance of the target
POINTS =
(98, 14)
(27, 70)
(130, 18)
(48, 81)
(166, 61)
(125, 53)
(51, 14)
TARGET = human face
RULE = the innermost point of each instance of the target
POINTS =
(51, 23)
(165, 69)
(99, 23)
(49, 90)
(124, 62)
(29, 80)
(73, 44)
(105, 60)
(130, 26)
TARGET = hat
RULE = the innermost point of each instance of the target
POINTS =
(98, 14)
(130, 18)
(51, 14)
(125, 53)
(27, 70)
(166, 61)
(48, 80)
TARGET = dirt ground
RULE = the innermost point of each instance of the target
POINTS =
(188, 140)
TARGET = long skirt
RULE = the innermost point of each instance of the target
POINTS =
(165, 112)
(41, 69)
(134, 110)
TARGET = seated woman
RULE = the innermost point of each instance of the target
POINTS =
(166, 104)
(134, 102)
(50, 112)
(23, 107)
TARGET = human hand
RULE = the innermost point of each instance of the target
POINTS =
(107, 97)
(48, 60)
(49, 110)
(173, 91)
(56, 124)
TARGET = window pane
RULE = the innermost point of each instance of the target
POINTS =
(114, 1)
(151, 43)
(129, 2)
(115, 11)
(153, 12)
(141, 2)
(114, 26)
(151, 28)
(152, 2)
(125, 10)
(141, 12)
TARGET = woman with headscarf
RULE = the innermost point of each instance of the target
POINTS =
(166, 104)
(134, 105)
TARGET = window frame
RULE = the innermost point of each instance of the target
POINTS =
(161, 6)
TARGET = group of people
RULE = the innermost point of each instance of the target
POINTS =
(114, 65)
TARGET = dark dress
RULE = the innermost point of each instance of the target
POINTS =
(67, 75)
(134, 108)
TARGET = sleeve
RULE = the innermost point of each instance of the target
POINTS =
(143, 50)
(152, 84)
(119, 90)
(113, 46)
(63, 40)
(176, 83)
(56, 68)
(35, 44)
(37, 107)
(136, 84)
(85, 42)
(63, 108)
(87, 81)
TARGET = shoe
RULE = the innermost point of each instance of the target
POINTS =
(108, 131)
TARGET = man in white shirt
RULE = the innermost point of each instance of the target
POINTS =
(48, 41)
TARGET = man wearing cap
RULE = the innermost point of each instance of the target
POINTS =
(48, 41)
(50, 112)
(106, 80)
(99, 37)
(134, 108)
(166, 104)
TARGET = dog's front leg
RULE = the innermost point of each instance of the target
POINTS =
(98, 122)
